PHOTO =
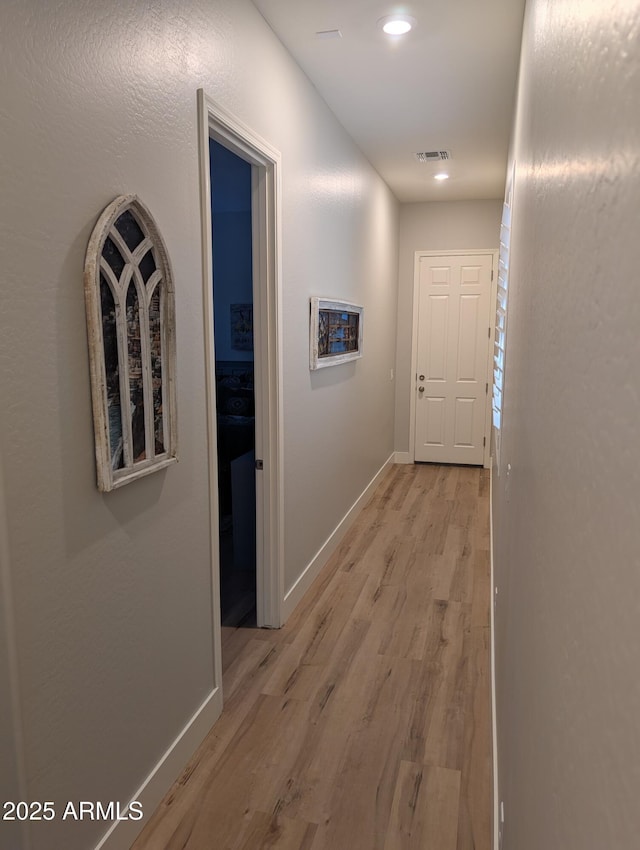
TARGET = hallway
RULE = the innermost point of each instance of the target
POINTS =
(363, 724)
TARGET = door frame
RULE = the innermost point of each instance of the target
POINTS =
(266, 181)
(493, 252)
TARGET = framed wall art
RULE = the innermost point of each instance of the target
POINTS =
(129, 298)
(241, 326)
(335, 332)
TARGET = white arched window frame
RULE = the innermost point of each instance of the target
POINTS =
(129, 296)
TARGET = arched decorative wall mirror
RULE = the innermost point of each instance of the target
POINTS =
(130, 305)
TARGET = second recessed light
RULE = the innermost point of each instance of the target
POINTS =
(441, 176)
(397, 24)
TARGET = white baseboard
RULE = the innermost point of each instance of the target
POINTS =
(122, 834)
(494, 726)
(310, 573)
(402, 457)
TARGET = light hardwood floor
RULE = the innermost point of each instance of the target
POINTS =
(363, 724)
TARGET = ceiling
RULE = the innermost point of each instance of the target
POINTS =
(449, 84)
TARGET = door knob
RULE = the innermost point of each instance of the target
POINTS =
(420, 389)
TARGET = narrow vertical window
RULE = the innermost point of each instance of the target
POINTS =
(130, 318)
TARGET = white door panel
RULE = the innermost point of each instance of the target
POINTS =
(467, 368)
(440, 275)
(463, 436)
(434, 424)
(452, 351)
(437, 342)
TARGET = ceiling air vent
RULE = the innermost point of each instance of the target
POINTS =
(433, 156)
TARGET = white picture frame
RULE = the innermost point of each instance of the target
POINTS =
(335, 332)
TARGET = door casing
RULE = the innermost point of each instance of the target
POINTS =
(493, 252)
(216, 122)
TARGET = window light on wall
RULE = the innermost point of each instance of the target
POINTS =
(499, 353)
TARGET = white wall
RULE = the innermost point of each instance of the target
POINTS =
(567, 519)
(11, 787)
(441, 225)
(10, 831)
(112, 592)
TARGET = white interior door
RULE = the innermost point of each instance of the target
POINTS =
(452, 355)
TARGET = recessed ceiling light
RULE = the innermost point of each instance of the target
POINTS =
(397, 24)
(441, 176)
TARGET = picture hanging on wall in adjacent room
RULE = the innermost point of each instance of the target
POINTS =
(129, 299)
(335, 332)
(241, 327)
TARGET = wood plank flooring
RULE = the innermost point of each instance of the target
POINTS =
(363, 724)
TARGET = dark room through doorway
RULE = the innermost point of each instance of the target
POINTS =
(234, 378)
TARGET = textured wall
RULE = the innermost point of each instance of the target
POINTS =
(446, 226)
(112, 592)
(567, 518)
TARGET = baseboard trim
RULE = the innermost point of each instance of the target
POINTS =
(122, 834)
(494, 725)
(402, 457)
(310, 572)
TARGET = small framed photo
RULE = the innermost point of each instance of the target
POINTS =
(241, 326)
(335, 332)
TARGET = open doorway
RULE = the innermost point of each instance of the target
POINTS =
(264, 166)
(234, 379)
